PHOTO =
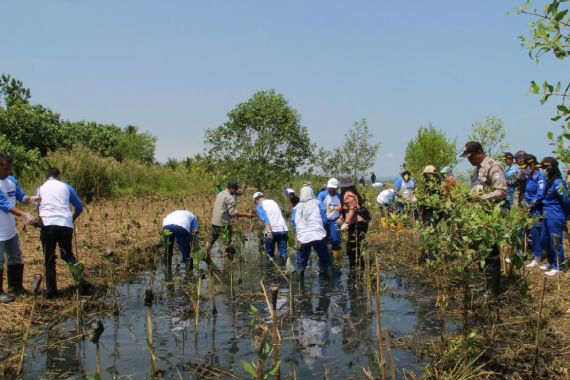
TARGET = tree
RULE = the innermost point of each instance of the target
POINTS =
(491, 133)
(356, 155)
(13, 91)
(550, 33)
(262, 143)
(430, 147)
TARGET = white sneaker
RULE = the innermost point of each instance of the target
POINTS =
(545, 266)
(552, 272)
(532, 264)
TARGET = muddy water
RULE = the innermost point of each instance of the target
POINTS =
(331, 330)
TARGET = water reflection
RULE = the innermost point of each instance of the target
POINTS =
(331, 329)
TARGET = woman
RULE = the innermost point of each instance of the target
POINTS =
(554, 216)
(533, 197)
(308, 219)
(354, 218)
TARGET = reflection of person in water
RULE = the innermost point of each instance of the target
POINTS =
(356, 324)
(63, 361)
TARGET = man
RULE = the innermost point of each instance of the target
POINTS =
(331, 201)
(511, 174)
(275, 226)
(488, 182)
(10, 192)
(180, 226)
(222, 214)
(56, 229)
(372, 178)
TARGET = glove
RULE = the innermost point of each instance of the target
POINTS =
(344, 227)
(27, 218)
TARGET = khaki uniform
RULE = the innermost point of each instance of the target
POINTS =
(489, 178)
(224, 209)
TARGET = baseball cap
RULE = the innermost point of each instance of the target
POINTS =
(548, 162)
(530, 159)
(332, 183)
(257, 195)
(471, 147)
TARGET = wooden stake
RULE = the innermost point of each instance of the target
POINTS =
(379, 320)
(537, 340)
(390, 356)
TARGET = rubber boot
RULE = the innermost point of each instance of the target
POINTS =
(302, 280)
(51, 282)
(337, 257)
(15, 278)
(4, 298)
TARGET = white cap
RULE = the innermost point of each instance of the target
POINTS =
(257, 195)
(332, 183)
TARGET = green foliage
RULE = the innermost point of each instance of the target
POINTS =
(468, 230)
(491, 133)
(430, 147)
(23, 159)
(262, 144)
(356, 155)
(550, 34)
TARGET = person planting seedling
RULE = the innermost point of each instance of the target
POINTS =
(56, 229)
(180, 226)
(223, 212)
(275, 230)
(10, 192)
(488, 184)
(331, 200)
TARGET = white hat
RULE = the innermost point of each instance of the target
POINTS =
(332, 183)
(429, 169)
(256, 195)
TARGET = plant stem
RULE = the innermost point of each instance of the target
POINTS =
(539, 321)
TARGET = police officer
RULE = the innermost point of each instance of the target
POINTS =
(488, 180)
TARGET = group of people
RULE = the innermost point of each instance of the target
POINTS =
(316, 220)
(55, 220)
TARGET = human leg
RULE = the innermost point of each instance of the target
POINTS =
(48, 239)
(322, 250)
(4, 298)
(15, 265)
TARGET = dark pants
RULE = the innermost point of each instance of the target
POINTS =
(225, 231)
(492, 270)
(182, 237)
(51, 237)
(356, 234)
(322, 250)
(279, 238)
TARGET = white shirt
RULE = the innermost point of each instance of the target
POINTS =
(270, 214)
(182, 218)
(54, 207)
(331, 203)
(386, 197)
(308, 221)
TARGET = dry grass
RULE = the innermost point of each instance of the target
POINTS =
(115, 238)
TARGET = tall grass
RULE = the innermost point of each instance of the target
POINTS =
(96, 177)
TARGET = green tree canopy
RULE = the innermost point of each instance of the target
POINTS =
(490, 133)
(550, 34)
(356, 155)
(430, 147)
(263, 142)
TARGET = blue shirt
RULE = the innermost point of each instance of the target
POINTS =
(534, 192)
(511, 173)
(553, 199)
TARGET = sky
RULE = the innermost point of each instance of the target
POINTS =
(175, 68)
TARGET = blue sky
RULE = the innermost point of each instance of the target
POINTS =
(175, 68)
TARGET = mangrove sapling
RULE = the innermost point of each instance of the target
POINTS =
(390, 355)
(96, 329)
(261, 347)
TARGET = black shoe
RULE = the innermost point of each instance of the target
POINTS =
(48, 295)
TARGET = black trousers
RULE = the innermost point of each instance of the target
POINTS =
(51, 237)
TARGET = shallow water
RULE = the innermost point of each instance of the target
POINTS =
(331, 329)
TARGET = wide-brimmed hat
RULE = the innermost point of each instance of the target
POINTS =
(345, 182)
(429, 169)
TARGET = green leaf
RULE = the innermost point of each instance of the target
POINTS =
(249, 368)
(273, 371)
(534, 87)
(254, 310)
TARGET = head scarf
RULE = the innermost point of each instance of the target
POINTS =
(306, 202)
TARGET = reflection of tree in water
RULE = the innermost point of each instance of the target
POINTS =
(62, 361)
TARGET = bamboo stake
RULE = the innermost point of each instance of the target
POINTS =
(26, 336)
(379, 319)
(197, 317)
(390, 356)
(149, 340)
(275, 333)
(537, 340)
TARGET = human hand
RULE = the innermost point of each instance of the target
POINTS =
(26, 217)
(35, 199)
(344, 227)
